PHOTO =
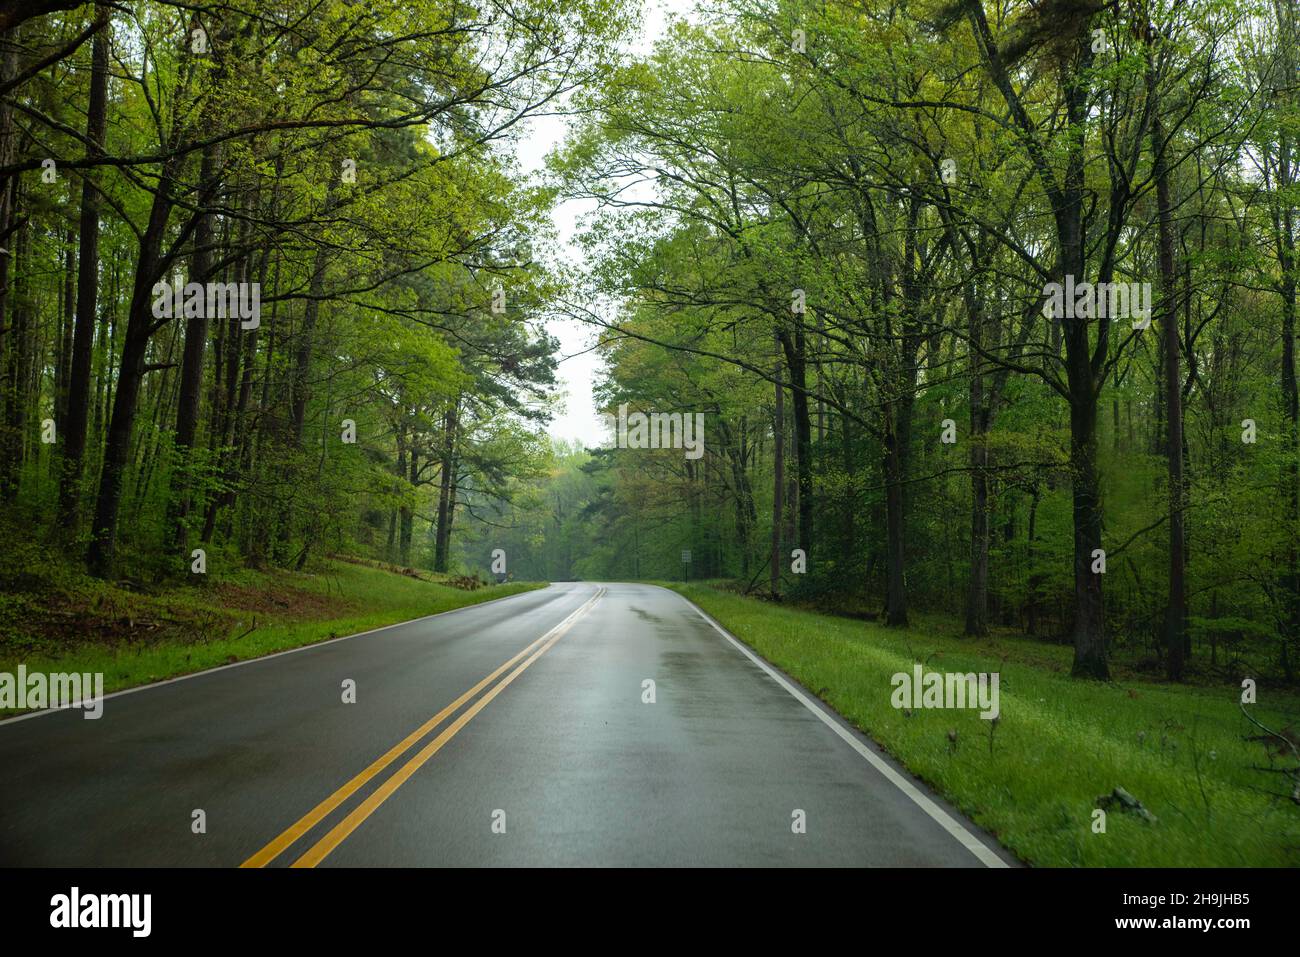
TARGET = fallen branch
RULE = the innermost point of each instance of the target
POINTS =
(1269, 732)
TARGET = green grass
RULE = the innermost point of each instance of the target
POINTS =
(1059, 745)
(136, 638)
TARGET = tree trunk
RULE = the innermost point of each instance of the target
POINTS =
(103, 541)
(17, 388)
(1175, 626)
(302, 358)
(977, 593)
(1089, 612)
(1284, 229)
(446, 493)
(12, 331)
(67, 321)
(398, 514)
(83, 338)
(797, 362)
(191, 384)
(897, 438)
(778, 479)
(408, 517)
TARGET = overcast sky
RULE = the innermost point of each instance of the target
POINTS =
(579, 368)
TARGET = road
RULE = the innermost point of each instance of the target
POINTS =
(514, 733)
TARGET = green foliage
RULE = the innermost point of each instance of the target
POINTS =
(1059, 745)
(136, 637)
(356, 162)
(778, 169)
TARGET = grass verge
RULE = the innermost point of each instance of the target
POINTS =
(79, 624)
(1034, 778)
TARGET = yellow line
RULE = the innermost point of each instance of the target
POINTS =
(317, 814)
(340, 832)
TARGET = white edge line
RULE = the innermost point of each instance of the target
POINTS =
(274, 654)
(940, 816)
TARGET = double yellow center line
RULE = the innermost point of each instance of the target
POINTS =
(340, 831)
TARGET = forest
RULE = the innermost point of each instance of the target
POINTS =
(988, 306)
(362, 355)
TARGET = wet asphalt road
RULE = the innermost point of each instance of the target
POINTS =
(555, 759)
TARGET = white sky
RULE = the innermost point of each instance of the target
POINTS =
(579, 368)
